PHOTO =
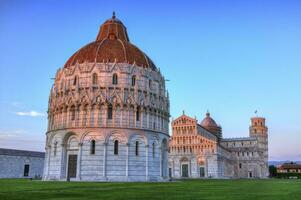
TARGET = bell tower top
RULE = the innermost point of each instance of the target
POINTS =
(258, 127)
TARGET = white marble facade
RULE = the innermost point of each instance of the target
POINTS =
(195, 151)
(108, 114)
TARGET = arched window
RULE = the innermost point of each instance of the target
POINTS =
(55, 149)
(115, 79)
(110, 112)
(75, 80)
(137, 148)
(94, 79)
(138, 114)
(133, 80)
(73, 113)
(153, 148)
(239, 165)
(116, 147)
(92, 148)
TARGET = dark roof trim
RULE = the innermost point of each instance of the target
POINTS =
(15, 152)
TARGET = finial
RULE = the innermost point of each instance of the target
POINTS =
(113, 15)
(208, 113)
(183, 112)
(256, 113)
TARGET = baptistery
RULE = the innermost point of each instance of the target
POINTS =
(108, 113)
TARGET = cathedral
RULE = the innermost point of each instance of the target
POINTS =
(198, 150)
(108, 113)
(108, 120)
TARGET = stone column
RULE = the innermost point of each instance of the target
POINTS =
(96, 113)
(121, 115)
(127, 160)
(79, 159)
(105, 117)
(146, 161)
(104, 158)
(141, 117)
(161, 162)
(47, 162)
(135, 117)
(63, 161)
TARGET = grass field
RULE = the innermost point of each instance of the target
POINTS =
(189, 189)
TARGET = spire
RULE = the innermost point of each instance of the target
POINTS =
(113, 16)
(208, 113)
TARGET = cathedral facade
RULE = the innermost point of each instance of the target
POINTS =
(198, 150)
(108, 115)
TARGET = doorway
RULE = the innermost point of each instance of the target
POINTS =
(72, 165)
(202, 172)
(184, 170)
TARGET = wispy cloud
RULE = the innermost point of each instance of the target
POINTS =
(17, 104)
(31, 114)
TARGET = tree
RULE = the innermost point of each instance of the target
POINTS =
(273, 171)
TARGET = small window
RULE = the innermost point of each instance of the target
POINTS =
(55, 149)
(137, 148)
(75, 80)
(150, 84)
(26, 170)
(133, 80)
(154, 149)
(72, 113)
(115, 79)
(116, 147)
(110, 112)
(94, 79)
(138, 114)
(239, 165)
(92, 149)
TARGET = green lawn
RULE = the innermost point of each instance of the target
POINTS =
(190, 189)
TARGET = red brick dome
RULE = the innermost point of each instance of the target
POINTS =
(209, 124)
(112, 45)
(208, 121)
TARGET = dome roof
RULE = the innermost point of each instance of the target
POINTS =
(112, 44)
(208, 122)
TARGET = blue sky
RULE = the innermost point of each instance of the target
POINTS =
(230, 57)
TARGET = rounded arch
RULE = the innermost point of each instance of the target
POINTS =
(116, 135)
(184, 159)
(97, 136)
(67, 136)
(140, 136)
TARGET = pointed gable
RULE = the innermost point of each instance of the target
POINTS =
(184, 120)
